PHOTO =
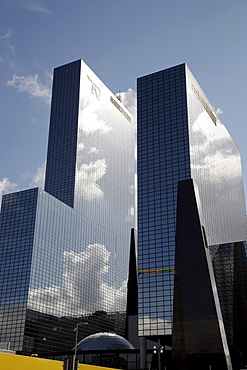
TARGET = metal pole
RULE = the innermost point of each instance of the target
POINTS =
(143, 353)
(76, 334)
(159, 347)
(76, 338)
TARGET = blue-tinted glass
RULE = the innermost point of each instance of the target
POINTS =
(65, 250)
(184, 138)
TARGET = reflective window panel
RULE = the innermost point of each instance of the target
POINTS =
(65, 250)
(179, 136)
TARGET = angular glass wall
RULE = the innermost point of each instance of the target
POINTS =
(180, 137)
(63, 274)
(90, 160)
(163, 160)
(216, 168)
(70, 243)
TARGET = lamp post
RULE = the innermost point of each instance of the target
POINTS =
(158, 350)
(76, 336)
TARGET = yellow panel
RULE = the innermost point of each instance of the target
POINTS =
(16, 362)
(91, 367)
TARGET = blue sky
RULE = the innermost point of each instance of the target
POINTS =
(120, 40)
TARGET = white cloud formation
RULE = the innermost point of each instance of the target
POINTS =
(91, 107)
(11, 63)
(215, 157)
(1, 59)
(6, 186)
(34, 5)
(32, 86)
(148, 322)
(89, 174)
(131, 214)
(218, 111)
(81, 146)
(132, 189)
(219, 161)
(93, 150)
(6, 38)
(48, 75)
(30, 5)
(83, 290)
(8, 34)
(90, 121)
(11, 47)
(128, 99)
(38, 178)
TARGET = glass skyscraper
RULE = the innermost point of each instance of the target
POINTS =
(180, 138)
(65, 250)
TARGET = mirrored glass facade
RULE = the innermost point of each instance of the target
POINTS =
(65, 250)
(163, 158)
(216, 168)
(180, 136)
(90, 160)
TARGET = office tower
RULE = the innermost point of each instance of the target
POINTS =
(65, 250)
(181, 140)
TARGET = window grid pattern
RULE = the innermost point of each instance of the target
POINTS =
(216, 168)
(76, 238)
(61, 272)
(163, 160)
(179, 137)
(18, 214)
(223, 264)
(230, 270)
(104, 177)
(61, 154)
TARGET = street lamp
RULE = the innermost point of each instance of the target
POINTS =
(158, 350)
(76, 335)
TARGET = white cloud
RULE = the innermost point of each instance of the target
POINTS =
(131, 214)
(6, 186)
(90, 121)
(35, 6)
(84, 290)
(90, 117)
(30, 5)
(11, 47)
(89, 174)
(93, 150)
(6, 37)
(216, 158)
(218, 111)
(32, 86)
(128, 99)
(148, 322)
(11, 63)
(132, 189)
(8, 34)
(81, 146)
(48, 75)
(39, 177)
(218, 163)
(1, 59)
